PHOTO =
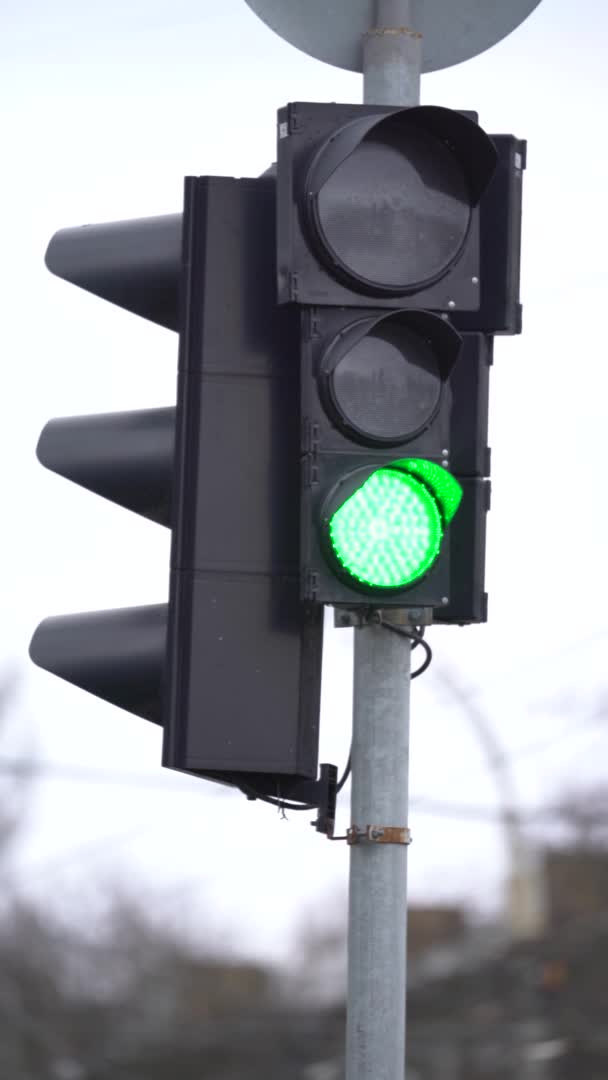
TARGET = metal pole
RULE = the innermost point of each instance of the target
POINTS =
(375, 1027)
(392, 55)
(377, 918)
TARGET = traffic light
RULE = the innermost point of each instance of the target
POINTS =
(231, 667)
(386, 222)
(329, 440)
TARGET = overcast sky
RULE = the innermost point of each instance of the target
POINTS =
(105, 108)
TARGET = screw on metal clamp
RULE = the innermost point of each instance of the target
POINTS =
(378, 834)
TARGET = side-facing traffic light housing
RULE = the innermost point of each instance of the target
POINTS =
(231, 667)
(126, 457)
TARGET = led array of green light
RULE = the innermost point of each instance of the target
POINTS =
(388, 533)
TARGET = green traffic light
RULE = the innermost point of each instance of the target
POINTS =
(388, 533)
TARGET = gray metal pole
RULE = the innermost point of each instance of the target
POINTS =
(392, 55)
(377, 918)
(375, 1028)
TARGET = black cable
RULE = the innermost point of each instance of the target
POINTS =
(275, 800)
(415, 634)
(346, 773)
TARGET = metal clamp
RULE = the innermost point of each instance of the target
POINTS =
(415, 616)
(378, 834)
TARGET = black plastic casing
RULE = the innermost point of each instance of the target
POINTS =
(491, 252)
(500, 218)
(454, 585)
(477, 295)
(471, 463)
(303, 278)
(467, 598)
(243, 671)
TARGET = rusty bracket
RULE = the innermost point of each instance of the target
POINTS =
(378, 834)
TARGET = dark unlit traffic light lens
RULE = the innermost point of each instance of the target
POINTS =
(395, 213)
(386, 387)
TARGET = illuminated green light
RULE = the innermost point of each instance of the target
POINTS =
(388, 533)
(444, 486)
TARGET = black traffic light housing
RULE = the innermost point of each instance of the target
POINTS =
(500, 216)
(343, 441)
(244, 656)
(470, 463)
(355, 334)
(459, 425)
(340, 175)
(231, 667)
(398, 240)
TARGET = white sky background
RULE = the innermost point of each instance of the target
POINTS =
(105, 108)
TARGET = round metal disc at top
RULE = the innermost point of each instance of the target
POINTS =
(453, 30)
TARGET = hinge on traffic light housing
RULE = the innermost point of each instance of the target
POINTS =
(521, 154)
(310, 471)
(293, 287)
(311, 324)
(310, 584)
(310, 437)
(293, 120)
(310, 451)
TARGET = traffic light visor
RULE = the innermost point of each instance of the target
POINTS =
(390, 199)
(387, 533)
(381, 378)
